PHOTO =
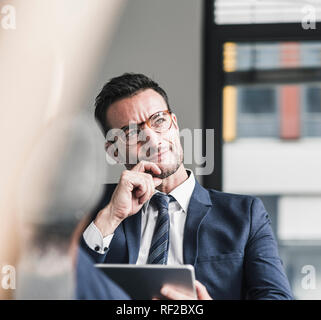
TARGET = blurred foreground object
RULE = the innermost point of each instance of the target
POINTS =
(48, 163)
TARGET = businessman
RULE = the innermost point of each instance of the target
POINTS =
(159, 214)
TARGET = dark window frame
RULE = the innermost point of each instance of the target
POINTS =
(214, 79)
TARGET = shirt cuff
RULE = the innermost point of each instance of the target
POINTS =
(94, 239)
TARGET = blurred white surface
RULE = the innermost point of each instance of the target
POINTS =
(270, 166)
(299, 218)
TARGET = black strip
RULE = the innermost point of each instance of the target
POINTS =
(272, 76)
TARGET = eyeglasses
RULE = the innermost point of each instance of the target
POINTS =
(160, 122)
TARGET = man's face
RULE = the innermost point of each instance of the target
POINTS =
(164, 148)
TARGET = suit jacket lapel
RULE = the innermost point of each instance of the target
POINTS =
(132, 229)
(199, 205)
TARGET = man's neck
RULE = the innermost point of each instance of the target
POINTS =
(174, 180)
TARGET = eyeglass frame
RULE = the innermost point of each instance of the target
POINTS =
(148, 124)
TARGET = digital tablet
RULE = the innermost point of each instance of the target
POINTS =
(144, 282)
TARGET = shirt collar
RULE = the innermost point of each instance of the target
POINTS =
(182, 193)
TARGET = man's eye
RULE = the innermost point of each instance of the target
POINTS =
(159, 121)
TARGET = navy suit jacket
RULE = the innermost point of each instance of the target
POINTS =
(227, 238)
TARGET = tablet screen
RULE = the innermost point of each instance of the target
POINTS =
(143, 282)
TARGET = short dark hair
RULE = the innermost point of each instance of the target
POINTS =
(121, 87)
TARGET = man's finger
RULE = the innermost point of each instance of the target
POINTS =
(201, 291)
(144, 166)
(149, 190)
(174, 294)
(141, 190)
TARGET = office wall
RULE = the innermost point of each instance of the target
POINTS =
(163, 40)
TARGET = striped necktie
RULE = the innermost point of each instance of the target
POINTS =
(158, 252)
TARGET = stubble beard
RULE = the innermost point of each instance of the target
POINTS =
(167, 169)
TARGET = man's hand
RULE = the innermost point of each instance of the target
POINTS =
(172, 293)
(135, 187)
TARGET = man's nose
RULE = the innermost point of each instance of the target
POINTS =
(151, 137)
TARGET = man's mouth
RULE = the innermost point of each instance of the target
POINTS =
(162, 152)
(156, 156)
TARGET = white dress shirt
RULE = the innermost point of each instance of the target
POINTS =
(177, 213)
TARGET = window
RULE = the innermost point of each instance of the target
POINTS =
(264, 11)
(273, 96)
(313, 97)
(262, 95)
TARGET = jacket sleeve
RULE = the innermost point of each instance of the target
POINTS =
(93, 284)
(265, 278)
(96, 256)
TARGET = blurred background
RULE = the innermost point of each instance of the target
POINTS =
(269, 103)
(249, 69)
